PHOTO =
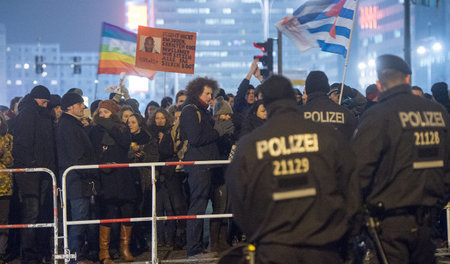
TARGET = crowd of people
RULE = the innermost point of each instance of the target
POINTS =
(292, 210)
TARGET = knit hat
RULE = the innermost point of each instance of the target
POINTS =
(317, 81)
(222, 107)
(276, 87)
(440, 92)
(392, 62)
(55, 100)
(70, 99)
(110, 105)
(40, 92)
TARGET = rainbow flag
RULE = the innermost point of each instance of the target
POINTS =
(118, 52)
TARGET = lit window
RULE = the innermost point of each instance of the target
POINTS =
(8, 49)
(289, 10)
(227, 21)
(159, 21)
(8, 82)
(250, 1)
(397, 33)
(54, 82)
(378, 38)
(18, 82)
(18, 66)
(226, 11)
(211, 21)
(203, 11)
(255, 11)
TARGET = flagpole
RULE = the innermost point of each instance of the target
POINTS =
(348, 52)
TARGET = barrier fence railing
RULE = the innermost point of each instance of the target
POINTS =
(153, 166)
(55, 209)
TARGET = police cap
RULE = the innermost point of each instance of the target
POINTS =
(392, 62)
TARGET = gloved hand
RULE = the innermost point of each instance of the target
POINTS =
(224, 127)
(106, 123)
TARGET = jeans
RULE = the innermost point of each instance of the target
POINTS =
(79, 210)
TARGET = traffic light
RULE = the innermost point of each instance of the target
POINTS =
(77, 65)
(267, 58)
(39, 61)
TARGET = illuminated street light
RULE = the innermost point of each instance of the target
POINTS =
(362, 65)
(96, 81)
(44, 74)
(35, 82)
(371, 62)
(437, 46)
(421, 50)
(44, 66)
(26, 66)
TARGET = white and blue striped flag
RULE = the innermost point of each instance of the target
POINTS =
(326, 24)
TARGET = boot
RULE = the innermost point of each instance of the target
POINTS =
(104, 238)
(125, 238)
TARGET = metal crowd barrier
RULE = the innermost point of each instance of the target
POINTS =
(153, 166)
(55, 209)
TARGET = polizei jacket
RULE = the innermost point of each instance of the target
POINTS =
(290, 181)
(402, 149)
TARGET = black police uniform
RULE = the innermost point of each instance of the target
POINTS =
(401, 148)
(319, 108)
(290, 186)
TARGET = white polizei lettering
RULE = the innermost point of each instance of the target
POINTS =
(340, 118)
(285, 150)
(307, 115)
(403, 118)
(274, 152)
(414, 118)
(325, 117)
(421, 119)
(316, 116)
(261, 147)
(294, 144)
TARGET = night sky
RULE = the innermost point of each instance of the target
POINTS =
(75, 24)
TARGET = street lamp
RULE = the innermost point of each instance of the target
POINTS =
(422, 50)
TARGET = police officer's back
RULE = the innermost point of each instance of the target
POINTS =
(289, 182)
(401, 148)
(321, 109)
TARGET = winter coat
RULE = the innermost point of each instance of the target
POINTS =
(166, 151)
(75, 148)
(33, 145)
(289, 181)
(111, 145)
(6, 161)
(321, 109)
(201, 135)
(251, 122)
(148, 149)
(402, 148)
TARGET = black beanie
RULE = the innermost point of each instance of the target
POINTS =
(275, 88)
(317, 81)
(70, 99)
(440, 92)
(40, 92)
(55, 100)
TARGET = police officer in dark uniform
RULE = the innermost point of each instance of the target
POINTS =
(401, 148)
(290, 184)
(319, 108)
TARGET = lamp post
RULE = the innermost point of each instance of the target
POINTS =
(429, 53)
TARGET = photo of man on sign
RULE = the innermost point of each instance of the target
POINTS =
(151, 44)
(167, 50)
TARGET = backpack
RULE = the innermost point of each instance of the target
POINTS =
(180, 145)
